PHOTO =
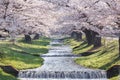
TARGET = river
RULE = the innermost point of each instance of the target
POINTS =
(59, 65)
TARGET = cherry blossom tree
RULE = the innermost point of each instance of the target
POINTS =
(27, 17)
(95, 18)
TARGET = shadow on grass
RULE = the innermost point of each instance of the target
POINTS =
(97, 50)
(39, 42)
(30, 59)
(85, 46)
(23, 52)
(25, 58)
(5, 76)
(106, 50)
(88, 53)
(84, 49)
(32, 50)
(83, 43)
(110, 63)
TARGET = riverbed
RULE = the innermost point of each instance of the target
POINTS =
(59, 65)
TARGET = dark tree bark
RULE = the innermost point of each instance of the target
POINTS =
(28, 38)
(97, 42)
(73, 35)
(89, 36)
(76, 35)
(0, 36)
(37, 36)
(96, 39)
(92, 38)
(79, 36)
(6, 7)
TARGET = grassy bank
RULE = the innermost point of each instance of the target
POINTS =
(78, 47)
(115, 78)
(103, 57)
(37, 47)
(21, 55)
(5, 76)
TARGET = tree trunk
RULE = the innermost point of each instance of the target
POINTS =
(0, 36)
(76, 35)
(96, 39)
(88, 36)
(97, 42)
(79, 36)
(73, 35)
(37, 36)
(92, 38)
(28, 38)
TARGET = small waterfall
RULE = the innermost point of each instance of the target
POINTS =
(59, 65)
(59, 51)
(90, 74)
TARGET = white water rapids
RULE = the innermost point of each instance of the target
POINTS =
(59, 65)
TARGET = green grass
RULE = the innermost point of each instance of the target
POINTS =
(5, 76)
(37, 47)
(15, 54)
(19, 60)
(104, 57)
(78, 46)
(115, 78)
(21, 55)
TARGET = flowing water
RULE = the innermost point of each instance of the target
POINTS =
(59, 65)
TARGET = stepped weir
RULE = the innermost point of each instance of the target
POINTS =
(59, 65)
